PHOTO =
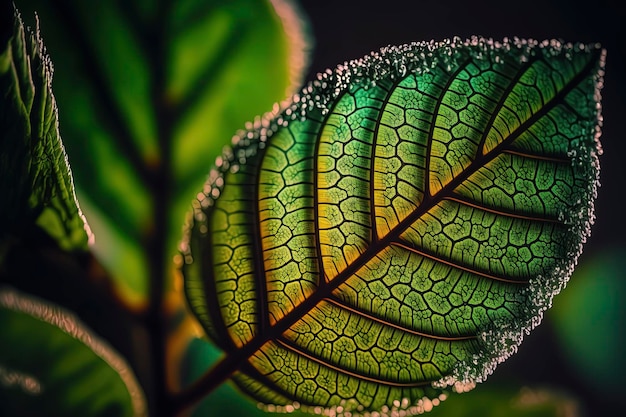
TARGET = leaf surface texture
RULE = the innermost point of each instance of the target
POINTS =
(402, 224)
(35, 178)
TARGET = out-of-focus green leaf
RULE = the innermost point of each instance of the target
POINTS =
(506, 401)
(150, 91)
(589, 317)
(51, 364)
(400, 226)
(35, 179)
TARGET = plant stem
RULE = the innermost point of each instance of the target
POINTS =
(157, 241)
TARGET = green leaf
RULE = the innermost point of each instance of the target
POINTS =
(400, 226)
(497, 401)
(50, 362)
(149, 90)
(35, 179)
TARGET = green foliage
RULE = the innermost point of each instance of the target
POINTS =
(497, 401)
(588, 318)
(35, 178)
(386, 236)
(75, 374)
(416, 212)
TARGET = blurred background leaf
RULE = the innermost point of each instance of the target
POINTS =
(51, 364)
(510, 401)
(589, 319)
(150, 93)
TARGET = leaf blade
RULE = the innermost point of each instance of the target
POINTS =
(296, 250)
(36, 178)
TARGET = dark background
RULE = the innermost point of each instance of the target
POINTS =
(350, 29)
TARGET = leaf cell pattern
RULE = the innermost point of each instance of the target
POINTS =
(402, 224)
